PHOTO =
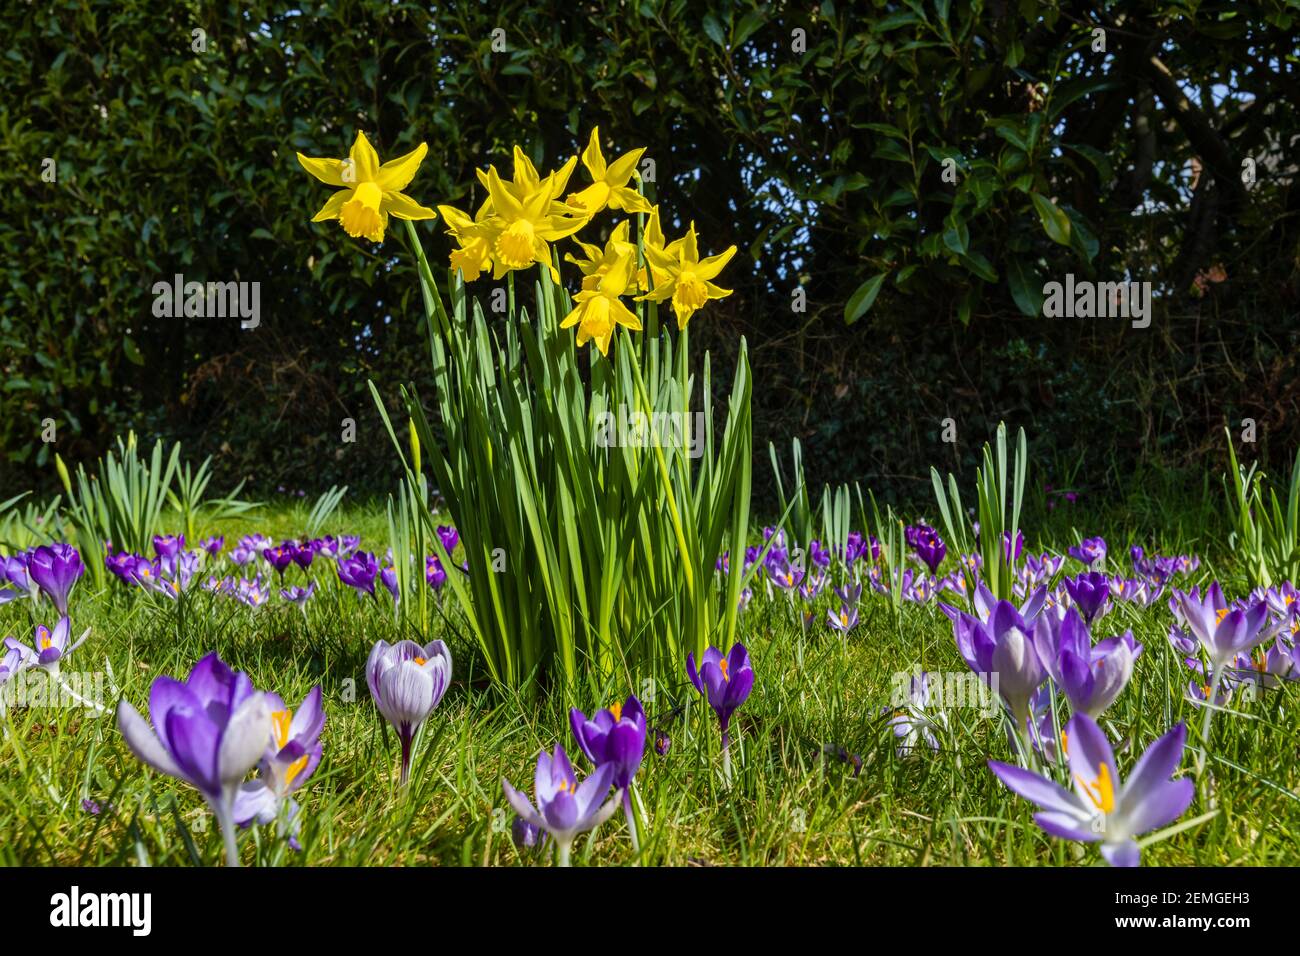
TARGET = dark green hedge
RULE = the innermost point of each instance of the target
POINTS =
(823, 163)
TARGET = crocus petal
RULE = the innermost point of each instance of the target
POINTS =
(1045, 793)
(255, 801)
(309, 718)
(1122, 854)
(578, 721)
(144, 743)
(692, 673)
(521, 804)
(1158, 805)
(561, 812)
(245, 739)
(194, 741)
(1088, 751)
(1067, 826)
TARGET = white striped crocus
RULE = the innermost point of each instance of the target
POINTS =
(209, 731)
(407, 682)
(290, 758)
(1103, 808)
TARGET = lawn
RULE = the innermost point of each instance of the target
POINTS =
(817, 776)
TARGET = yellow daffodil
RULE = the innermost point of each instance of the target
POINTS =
(601, 261)
(681, 275)
(523, 226)
(527, 180)
(654, 239)
(369, 193)
(599, 310)
(474, 237)
(609, 183)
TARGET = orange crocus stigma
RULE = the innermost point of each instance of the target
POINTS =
(722, 666)
(616, 711)
(280, 721)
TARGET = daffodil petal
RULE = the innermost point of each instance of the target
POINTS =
(364, 159)
(629, 200)
(710, 267)
(621, 171)
(457, 221)
(592, 157)
(396, 174)
(329, 171)
(404, 207)
(332, 206)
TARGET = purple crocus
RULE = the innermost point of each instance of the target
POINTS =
(843, 620)
(1090, 677)
(14, 569)
(1223, 631)
(303, 554)
(615, 737)
(280, 557)
(1001, 651)
(407, 682)
(55, 568)
(564, 808)
(449, 537)
(726, 683)
(359, 571)
(388, 576)
(213, 545)
(291, 757)
(51, 646)
(434, 573)
(1103, 809)
(15, 657)
(168, 545)
(299, 596)
(1090, 591)
(1012, 554)
(208, 731)
(928, 546)
(663, 742)
(1090, 551)
(524, 835)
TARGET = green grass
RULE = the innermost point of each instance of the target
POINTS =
(788, 803)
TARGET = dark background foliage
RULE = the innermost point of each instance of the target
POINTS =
(823, 164)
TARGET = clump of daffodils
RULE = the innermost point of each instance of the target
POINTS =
(522, 216)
